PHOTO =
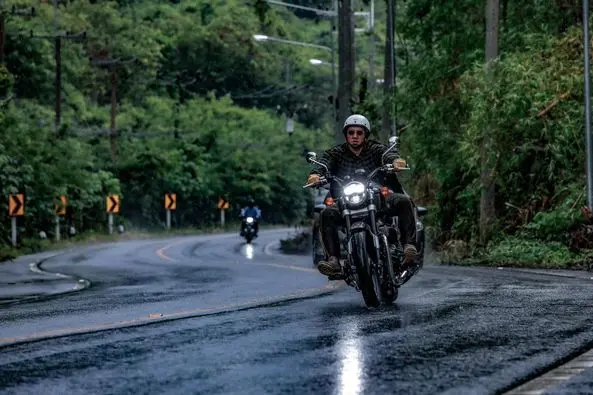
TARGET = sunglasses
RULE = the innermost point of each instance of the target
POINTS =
(355, 132)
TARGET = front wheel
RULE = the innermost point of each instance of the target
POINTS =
(389, 290)
(367, 277)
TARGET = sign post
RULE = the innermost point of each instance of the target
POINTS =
(60, 208)
(57, 228)
(112, 203)
(16, 208)
(222, 206)
(13, 230)
(170, 204)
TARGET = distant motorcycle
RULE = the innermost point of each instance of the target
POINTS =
(249, 229)
(369, 262)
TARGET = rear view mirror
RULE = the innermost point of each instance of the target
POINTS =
(392, 144)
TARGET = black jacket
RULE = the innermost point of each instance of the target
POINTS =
(341, 162)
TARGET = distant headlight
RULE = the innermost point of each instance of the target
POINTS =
(249, 220)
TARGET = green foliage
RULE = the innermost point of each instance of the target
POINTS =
(513, 251)
(552, 226)
(6, 81)
(531, 106)
(546, 147)
(178, 127)
(201, 112)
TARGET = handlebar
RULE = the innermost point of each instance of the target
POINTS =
(324, 180)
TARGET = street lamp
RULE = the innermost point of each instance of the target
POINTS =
(317, 62)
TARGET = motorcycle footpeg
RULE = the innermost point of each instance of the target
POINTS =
(335, 277)
(402, 277)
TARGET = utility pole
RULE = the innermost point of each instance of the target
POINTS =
(112, 130)
(57, 38)
(587, 81)
(333, 21)
(346, 61)
(2, 34)
(487, 197)
(58, 56)
(111, 65)
(389, 127)
(371, 33)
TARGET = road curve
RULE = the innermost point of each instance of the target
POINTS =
(257, 322)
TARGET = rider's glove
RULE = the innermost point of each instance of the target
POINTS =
(399, 163)
(313, 178)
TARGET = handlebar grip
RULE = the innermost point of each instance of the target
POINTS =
(322, 181)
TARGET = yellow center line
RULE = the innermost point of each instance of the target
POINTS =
(161, 251)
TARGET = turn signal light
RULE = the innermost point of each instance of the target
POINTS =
(385, 191)
(329, 201)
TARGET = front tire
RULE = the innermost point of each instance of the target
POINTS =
(367, 278)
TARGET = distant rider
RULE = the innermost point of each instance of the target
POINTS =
(251, 210)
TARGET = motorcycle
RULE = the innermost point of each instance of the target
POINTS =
(370, 263)
(249, 229)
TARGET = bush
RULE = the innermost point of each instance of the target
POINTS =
(522, 252)
(299, 244)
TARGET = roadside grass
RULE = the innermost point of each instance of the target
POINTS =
(520, 252)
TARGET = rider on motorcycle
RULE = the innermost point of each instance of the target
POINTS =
(251, 210)
(358, 152)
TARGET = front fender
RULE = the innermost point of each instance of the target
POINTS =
(372, 241)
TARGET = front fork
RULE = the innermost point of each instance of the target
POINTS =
(351, 277)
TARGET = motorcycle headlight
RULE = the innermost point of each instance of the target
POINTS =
(355, 193)
(249, 220)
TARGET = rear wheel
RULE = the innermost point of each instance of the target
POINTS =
(367, 278)
(317, 248)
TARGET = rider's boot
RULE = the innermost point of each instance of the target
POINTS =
(410, 255)
(330, 267)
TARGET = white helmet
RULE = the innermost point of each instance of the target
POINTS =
(359, 120)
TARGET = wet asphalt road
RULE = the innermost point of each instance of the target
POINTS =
(453, 330)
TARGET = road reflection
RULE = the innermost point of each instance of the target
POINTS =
(249, 251)
(351, 357)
